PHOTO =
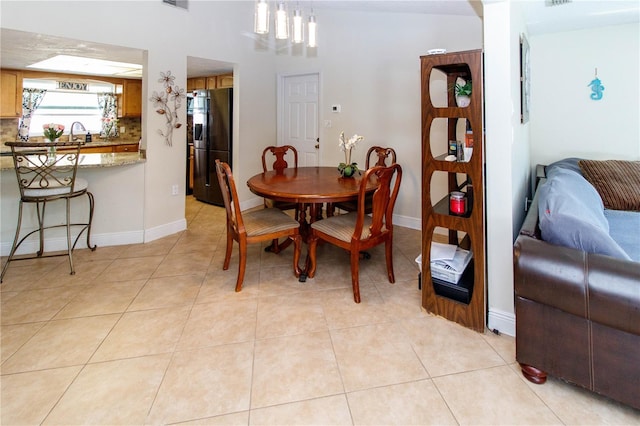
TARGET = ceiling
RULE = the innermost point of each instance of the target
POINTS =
(19, 49)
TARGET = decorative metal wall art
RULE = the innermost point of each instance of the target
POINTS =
(596, 87)
(167, 102)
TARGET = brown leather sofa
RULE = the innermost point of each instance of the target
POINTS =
(577, 315)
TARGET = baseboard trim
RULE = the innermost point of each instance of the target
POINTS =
(60, 243)
(165, 230)
(504, 322)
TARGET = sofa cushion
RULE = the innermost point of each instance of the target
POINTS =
(624, 228)
(571, 214)
(566, 163)
(617, 182)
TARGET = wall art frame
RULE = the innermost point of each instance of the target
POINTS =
(525, 79)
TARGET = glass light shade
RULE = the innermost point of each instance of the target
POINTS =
(313, 31)
(261, 18)
(297, 28)
(282, 22)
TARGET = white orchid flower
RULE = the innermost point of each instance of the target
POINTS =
(342, 143)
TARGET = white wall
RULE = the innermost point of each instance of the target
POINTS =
(507, 156)
(370, 64)
(565, 121)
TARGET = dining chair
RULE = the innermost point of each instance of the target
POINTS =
(280, 163)
(254, 226)
(381, 156)
(47, 172)
(357, 231)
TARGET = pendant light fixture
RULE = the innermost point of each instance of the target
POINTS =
(261, 17)
(297, 26)
(282, 21)
(282, 29)
(313, 31)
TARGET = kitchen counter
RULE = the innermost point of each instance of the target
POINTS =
(93, 160)
(96, 143)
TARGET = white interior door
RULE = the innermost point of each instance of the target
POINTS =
(299, 111)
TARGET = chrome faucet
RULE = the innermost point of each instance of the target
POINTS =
(76, 126)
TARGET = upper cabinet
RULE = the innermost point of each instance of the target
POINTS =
(131, 99)
(10, 94)
(223, 81)
(212, 82)
(199, 83)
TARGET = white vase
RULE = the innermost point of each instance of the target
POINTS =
(463, 101)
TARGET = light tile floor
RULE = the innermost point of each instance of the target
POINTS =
(155, 334)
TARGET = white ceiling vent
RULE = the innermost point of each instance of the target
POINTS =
(178, 3)
(556, 2)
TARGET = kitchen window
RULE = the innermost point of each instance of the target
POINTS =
(67, 106)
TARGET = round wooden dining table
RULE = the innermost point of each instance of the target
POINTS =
(309, 187)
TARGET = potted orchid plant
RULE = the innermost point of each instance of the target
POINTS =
(348, 169)
(52, 131)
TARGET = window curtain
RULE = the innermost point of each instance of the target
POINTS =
(109, 106)
(31, 99)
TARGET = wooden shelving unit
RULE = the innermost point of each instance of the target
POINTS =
(468, 230)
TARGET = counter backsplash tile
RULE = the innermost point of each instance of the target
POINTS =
(9, 131)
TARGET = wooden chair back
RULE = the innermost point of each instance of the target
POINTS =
(381, 156)
(230, 197)
(280, 162)
(383, 201)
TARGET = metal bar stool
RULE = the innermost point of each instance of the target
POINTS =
(46, 171)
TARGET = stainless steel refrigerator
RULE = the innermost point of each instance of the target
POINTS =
(212, 113)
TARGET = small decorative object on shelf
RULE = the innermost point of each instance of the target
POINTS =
(171, 93)
(348, 169)
(462, 90)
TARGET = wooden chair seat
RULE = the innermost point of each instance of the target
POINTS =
(267, 221)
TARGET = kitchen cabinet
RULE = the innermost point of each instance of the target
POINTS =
(131, 98)
(212, 82)
(130, 147)
(443, 124)
(107, 149)
(224, 81)
(10, 94)
(221, 81)
(199, 83)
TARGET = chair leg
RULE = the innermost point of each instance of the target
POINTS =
(227, 255)
(311, 256)
(355, 282)
(91, 207)
(41, 226)
(388, 251)
(297, 243)
(69, 247)
(14, 246)
(242, 263)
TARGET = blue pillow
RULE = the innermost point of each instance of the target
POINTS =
(571, 215)
(565, 164)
